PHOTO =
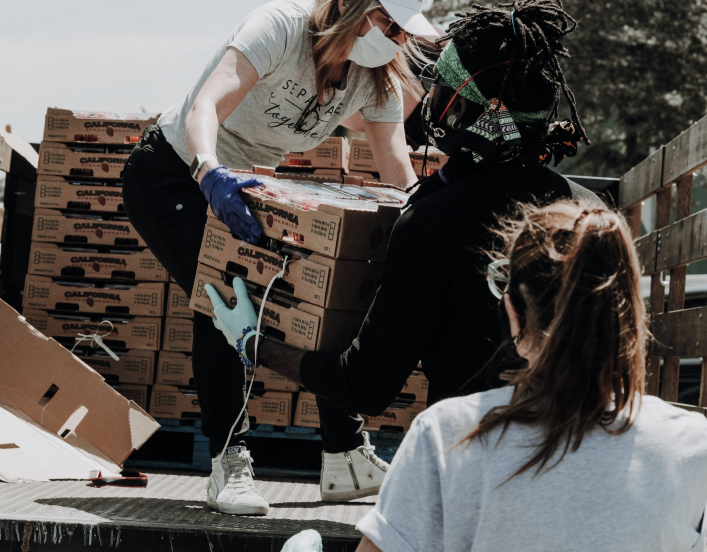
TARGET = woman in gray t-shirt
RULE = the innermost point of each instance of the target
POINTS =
(572, 455)
(286, 77)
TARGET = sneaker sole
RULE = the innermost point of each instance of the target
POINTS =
(239, 509)
(349, 495)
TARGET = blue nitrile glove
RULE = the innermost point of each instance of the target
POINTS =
(238, 324)
(221, 188)
(306, 541)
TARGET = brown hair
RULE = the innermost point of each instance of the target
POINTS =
(574, 281)
(334, 35)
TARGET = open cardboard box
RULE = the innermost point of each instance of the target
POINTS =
(320, 280)
(174, 369)
(332, 153)
(65, 125)
(59, 418)
(303, 326)
(128, 332)
(63, 160)
(49, 259)
(55, 192)
(142, 299)
(134, 366)
(57, 227)
(336, 232)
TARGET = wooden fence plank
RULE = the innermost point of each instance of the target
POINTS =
(657, 300)
(683, 242)
(646, 247)
(642, 181)
(676, 298)
(680, 333)
(686, 153)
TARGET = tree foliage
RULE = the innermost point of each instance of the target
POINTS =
(638, 70)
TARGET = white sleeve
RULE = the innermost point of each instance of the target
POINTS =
(263, 37)
(409, 514)
(391, 111)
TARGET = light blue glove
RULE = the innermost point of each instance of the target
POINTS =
(237, 324)
(306, 541)
(221, 188)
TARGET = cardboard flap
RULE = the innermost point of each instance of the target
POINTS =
(64, 395)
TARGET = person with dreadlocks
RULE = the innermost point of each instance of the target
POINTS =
(491, 96)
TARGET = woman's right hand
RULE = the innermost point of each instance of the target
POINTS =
(221, 188)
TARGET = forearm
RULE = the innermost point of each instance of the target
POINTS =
(281, 358)
(202, 131)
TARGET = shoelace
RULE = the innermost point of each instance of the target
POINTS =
(240, 472)
(369, 451)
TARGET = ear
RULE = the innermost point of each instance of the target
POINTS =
(512, 315)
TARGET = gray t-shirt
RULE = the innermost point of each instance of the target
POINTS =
(276, 40)
(644, 490)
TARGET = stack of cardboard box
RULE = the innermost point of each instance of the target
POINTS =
(335, 250)
(363, 164)
(90, 272)
(329, 159)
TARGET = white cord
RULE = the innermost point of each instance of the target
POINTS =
(280, 274)
(97, 340)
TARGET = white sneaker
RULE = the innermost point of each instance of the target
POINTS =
(230, 489)
(352, 474)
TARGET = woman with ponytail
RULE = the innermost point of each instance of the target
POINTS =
(570, 455)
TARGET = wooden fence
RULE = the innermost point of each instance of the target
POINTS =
(678, 332)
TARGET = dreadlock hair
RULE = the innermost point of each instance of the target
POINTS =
(529, 36)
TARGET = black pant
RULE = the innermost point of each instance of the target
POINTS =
(167, 208)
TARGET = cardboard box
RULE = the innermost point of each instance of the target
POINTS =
(394, 418)
(270, 380)
(134, 392)
(174, 369)
(42, 292)
(303, 326)
(49, 259)
(178, 303)
(320, 280)
(168, 401)
(272, 408)
(333, 231)
(55, 192)
(307, 411)
(63, 160)
(133, 367)
(435, 161)
(127, 333)
(332, 153)
(361, 158)
(57, 227)
(65, 125)
(178, 335)
(416, 388)
(58, 415)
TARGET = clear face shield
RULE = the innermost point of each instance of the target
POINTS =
(497, 277)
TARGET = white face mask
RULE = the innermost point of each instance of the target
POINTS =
(374, 49)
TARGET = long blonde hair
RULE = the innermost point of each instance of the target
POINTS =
(334, 36)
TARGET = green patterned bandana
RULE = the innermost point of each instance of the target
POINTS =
(495, 131)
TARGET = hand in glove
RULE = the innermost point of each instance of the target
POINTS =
(238, 324)
(221, 188)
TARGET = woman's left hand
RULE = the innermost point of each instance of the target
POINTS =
(233, 322)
